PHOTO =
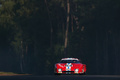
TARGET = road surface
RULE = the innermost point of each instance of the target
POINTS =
(62, 77)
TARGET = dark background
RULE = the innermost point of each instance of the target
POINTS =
(32, 35)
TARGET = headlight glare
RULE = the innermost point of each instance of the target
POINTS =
(60, 70)
(76, 70)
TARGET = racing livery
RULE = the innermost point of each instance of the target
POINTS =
(70, 66)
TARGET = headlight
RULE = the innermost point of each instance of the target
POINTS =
(60, 70)
(76, 70)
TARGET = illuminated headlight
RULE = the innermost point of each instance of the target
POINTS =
(76, 70)
(59, 70)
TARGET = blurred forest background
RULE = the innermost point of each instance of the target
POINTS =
(36, 34)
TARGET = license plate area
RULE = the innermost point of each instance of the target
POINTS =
(68, 72)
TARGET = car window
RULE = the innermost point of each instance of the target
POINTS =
(69, 61)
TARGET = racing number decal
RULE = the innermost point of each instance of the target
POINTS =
(68, 66)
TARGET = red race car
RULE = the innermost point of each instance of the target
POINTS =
(70, 66)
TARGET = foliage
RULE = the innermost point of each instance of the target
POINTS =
(32, 34)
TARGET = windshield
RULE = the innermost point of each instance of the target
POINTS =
(69, 61)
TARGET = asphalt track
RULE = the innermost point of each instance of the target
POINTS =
(62, 77)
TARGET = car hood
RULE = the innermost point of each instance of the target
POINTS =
(75, 65)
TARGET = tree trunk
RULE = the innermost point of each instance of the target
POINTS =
(72, 23)
(106, 54)
(67, 25)
(116, 59)
(97, 53)
(76, 18)
(26, 49)
(21, 57)
(51, 29)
